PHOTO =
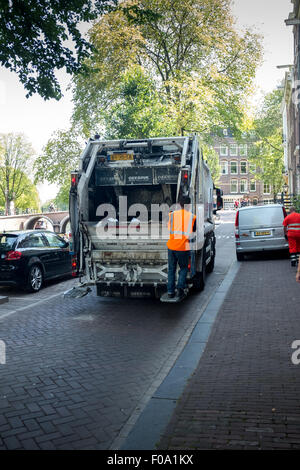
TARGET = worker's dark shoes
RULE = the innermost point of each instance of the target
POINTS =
(293, 262)
(170, 295)
(180, 293)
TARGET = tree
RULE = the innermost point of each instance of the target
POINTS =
(34, 35)
(212, 159)
(60, 156)
(202, 68)
(39, 37)
(16, 158)
(267, 149)
(139, 111)
(29, 199)
(61, 200)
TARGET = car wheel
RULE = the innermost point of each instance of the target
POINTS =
(34, 278)
(239, 256)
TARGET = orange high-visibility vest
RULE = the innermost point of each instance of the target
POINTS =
(180, 225)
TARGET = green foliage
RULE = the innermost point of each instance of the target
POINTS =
(212, 159)
(29, 197)
(59, 157)
(201, 68)
(62, 198)
(16, 156)
(33, 35)
(296, 203)
(139, 112)
(267, 149)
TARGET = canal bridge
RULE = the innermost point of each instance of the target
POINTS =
(56, 221)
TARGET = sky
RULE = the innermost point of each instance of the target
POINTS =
(38, 119)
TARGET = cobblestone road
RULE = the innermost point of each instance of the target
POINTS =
(77, 369)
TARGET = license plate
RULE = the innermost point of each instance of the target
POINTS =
(261, 234)
(121, 156)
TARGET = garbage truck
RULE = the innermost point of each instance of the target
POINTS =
(120, 200)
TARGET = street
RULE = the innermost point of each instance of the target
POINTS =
(77, 370)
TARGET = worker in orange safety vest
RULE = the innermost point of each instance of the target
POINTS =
(292, 230)
(182, 224)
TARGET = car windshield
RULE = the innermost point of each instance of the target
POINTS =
(7, 241)
(266, 216)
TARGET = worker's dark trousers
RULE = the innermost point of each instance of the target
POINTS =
(182, 258)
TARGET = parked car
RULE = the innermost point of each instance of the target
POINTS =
(259, 228)
(28, 258)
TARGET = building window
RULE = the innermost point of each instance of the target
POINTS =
(243, 150)
(234, 186)
(267, 188)
(252, 185)
(244, 186)
(243, 167)
(233, 167)
(233, 150)
(223, 150)
(224, 167)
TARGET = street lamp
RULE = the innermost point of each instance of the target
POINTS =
(292, 21)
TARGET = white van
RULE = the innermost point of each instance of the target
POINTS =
(259, 228)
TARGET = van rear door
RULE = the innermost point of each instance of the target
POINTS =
(261, 228)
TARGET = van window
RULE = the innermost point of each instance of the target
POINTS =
(266, 216)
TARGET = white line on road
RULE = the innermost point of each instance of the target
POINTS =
(7, 314)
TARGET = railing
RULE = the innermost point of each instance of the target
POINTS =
(34, 211)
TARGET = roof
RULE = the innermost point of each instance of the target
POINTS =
(263, 206)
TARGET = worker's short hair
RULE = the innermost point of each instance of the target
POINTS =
(184, 200)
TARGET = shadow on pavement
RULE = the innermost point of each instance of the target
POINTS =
(267, 255)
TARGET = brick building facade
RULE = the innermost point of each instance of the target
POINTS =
(237, 178)
(291, 108)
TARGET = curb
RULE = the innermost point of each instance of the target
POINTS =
(149, 428)
(3, 300)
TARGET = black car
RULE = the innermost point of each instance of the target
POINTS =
(30, 257)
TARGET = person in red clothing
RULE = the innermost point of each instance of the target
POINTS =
(291, 225)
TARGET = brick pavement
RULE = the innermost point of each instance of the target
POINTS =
(77, 368)
(244, 393)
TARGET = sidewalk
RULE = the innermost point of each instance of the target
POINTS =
(245, 391)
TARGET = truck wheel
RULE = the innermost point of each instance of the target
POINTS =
(200, 277)
(211, 264)
(34, 279)
(239, 256)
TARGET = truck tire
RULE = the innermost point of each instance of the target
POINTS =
(200, 277)
(239, 256)
(211, 264)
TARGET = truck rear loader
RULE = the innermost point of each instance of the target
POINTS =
(120, 200)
